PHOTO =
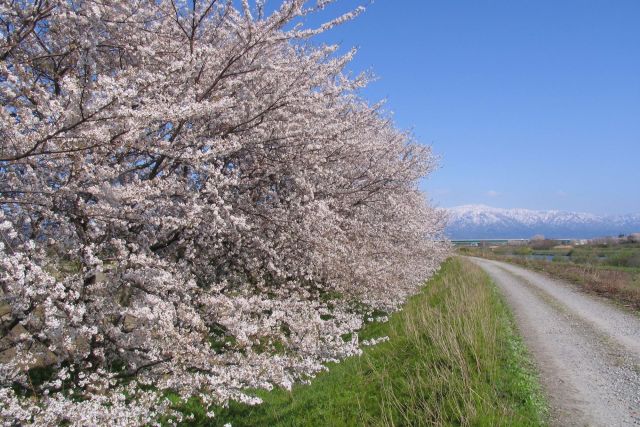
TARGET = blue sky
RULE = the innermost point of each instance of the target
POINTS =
(532, 104)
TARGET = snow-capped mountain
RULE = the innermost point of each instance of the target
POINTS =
(485, 222)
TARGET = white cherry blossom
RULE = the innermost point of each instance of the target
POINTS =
(192, 199)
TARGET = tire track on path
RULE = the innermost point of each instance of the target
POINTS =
(586, 349)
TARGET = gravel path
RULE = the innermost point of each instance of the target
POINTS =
(587, 350)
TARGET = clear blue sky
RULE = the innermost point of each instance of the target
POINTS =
(531, 104)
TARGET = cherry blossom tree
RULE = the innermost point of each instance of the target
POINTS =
(194, 199)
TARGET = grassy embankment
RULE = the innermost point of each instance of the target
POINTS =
(453, 358)
(612, 272)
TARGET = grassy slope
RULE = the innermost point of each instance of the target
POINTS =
(453, 359)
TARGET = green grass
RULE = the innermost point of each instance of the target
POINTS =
(454, 358)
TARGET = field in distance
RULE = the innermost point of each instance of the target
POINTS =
(608, 267)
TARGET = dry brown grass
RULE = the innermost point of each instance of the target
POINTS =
(620, 286)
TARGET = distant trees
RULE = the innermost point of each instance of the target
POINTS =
(192, 199)
(539, 242)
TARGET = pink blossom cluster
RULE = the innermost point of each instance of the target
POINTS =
(193, 199)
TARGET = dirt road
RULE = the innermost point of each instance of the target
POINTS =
(586, 349)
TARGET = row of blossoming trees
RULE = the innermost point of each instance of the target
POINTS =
(193, 199)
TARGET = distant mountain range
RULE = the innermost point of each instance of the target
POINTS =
(485, 222)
